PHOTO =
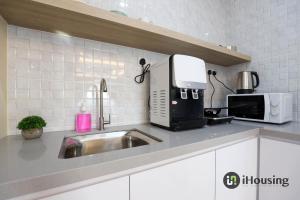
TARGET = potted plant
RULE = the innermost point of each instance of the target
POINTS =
(32, 127)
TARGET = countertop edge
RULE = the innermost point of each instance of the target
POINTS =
(284, 136)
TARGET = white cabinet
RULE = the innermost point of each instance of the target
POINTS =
(282, 160)
(117, 189)
(240, 158)
(192, 179)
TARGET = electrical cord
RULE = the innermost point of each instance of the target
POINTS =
(212, 94)
(224, 84)
(145, 69)
(141, 77)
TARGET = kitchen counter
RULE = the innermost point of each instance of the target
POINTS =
(33, 165)
(288, 132)
(291, 127)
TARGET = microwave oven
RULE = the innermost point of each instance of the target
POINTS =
(265, 107)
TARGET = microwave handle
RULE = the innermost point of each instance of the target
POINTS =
(267, 107)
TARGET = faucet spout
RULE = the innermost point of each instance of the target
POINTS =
(103, 88)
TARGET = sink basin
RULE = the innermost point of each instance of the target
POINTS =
(81, 145)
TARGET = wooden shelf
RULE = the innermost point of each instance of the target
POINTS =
(80, 20)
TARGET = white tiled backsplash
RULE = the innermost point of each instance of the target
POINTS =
(52, 74)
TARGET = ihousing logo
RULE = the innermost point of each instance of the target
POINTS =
(232, 180)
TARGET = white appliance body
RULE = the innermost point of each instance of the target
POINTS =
(188, 72)
(274, 108)
(159, 94)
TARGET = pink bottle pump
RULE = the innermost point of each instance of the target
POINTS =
(83, 120)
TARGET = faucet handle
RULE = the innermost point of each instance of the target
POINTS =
(107, 122)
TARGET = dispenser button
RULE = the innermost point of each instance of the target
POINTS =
(195, 94)
(183, 93)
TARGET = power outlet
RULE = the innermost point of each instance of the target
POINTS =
(142, 61)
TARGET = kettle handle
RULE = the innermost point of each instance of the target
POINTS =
(255, 74)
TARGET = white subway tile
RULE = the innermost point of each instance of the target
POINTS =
(22, 53)
(35, 94)
(35, 44)
(56, 85)
(20, 43)
(22, 93)
(58, 94)
(35, 55)
(35, 84)
(22, 83)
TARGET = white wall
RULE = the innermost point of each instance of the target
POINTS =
(199, 18)
(50, 74)
(269, 31)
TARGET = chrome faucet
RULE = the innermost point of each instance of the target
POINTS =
(103, 88)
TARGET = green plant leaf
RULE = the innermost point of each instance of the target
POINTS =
(31, 122)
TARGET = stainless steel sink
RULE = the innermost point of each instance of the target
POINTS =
(81, 145)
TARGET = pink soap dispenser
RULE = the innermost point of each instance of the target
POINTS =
(83, 121)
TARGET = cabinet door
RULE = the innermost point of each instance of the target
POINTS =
(117, 189)
(240, 158)
(191, 179)
(281, 159)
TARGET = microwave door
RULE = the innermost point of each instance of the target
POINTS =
(247, 107)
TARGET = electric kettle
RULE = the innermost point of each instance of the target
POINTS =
(246, 83)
